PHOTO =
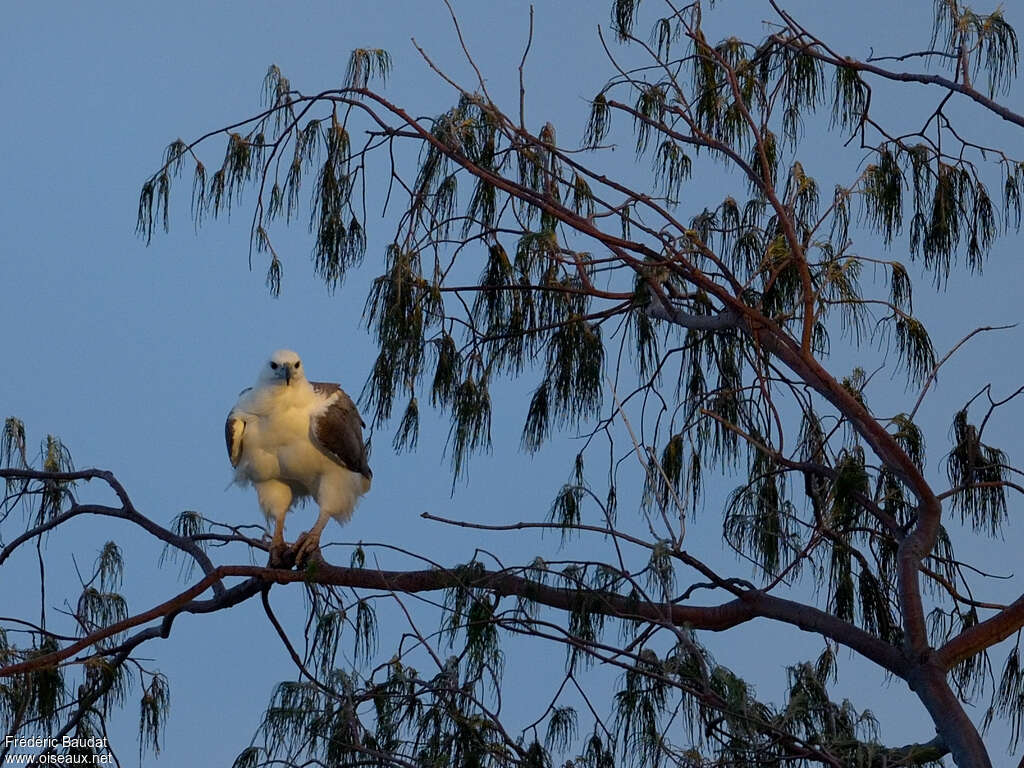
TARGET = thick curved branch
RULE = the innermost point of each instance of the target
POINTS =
(982, 635)
(749, 605)
(168, 608)
(126, 511)
(720, 322)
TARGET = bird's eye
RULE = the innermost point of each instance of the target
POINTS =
(297, 364)
(274, 366)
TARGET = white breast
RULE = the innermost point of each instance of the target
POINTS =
(275, 443)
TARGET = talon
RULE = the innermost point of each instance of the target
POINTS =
(280, 555)
(307, 549)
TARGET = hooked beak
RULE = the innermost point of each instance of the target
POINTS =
(287, 375)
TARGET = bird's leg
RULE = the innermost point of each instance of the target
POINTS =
(275, 499)
(308, 544)
(278, 549)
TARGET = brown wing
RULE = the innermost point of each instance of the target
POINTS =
(233, 429)
(338, 430)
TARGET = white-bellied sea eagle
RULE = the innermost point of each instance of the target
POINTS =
(294, 439)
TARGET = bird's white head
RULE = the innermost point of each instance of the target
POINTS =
(283, 367)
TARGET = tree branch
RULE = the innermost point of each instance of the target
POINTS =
(750, 605)
(904, 77)
(725, 319)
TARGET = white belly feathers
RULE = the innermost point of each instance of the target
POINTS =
(277, 444)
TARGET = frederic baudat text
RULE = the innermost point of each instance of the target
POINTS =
(98, 743)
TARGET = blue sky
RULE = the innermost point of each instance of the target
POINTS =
(133, 355)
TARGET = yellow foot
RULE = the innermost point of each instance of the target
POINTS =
(281, 556)
(306, 549)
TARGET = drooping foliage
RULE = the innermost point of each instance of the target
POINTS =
(709, 321)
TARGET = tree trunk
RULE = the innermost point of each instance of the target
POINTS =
(954, 727)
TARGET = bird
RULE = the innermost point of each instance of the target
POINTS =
(294, 439)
